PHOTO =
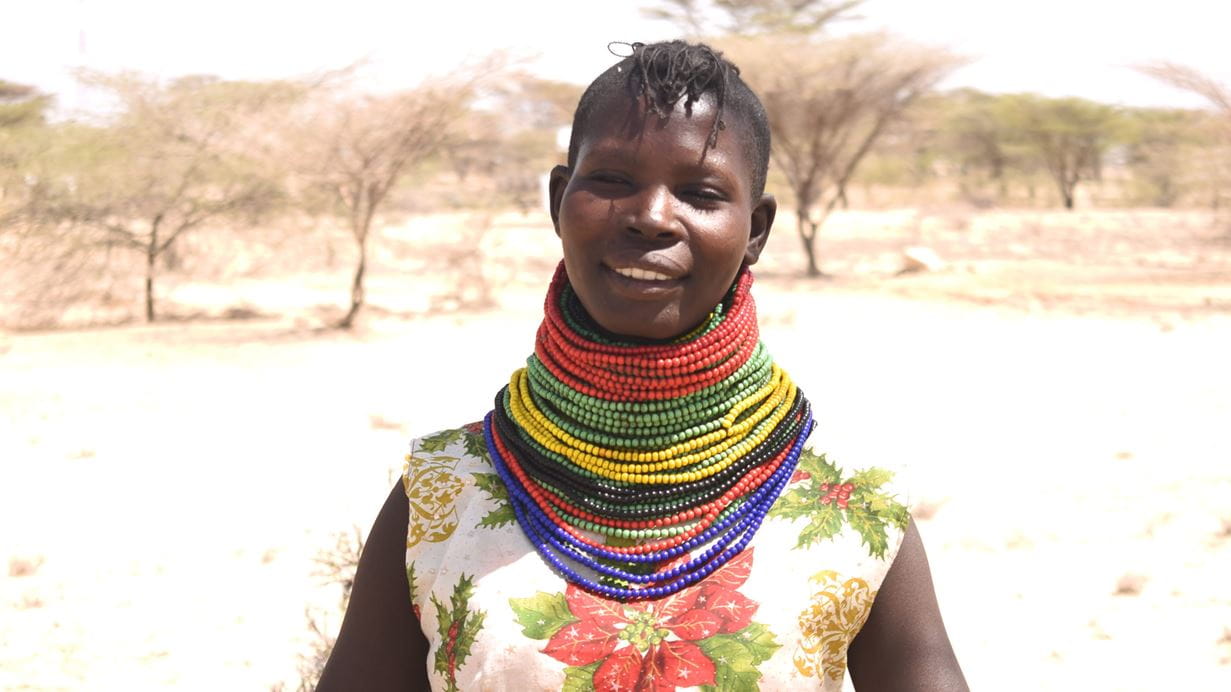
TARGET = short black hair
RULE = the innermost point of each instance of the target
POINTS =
(666, 72)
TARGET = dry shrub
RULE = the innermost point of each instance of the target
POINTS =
(24, 566)
(335, 565)
(58, 275)
(1130, 584)
(1224, 529)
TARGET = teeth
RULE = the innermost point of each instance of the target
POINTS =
(642, 274)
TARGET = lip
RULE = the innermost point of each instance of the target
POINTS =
(657, 262)
(641, 289)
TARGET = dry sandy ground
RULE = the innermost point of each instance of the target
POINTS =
(163, 489)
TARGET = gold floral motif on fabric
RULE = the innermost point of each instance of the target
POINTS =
(837, 612)
(431, 487)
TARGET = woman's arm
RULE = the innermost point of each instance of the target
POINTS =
(381, 646)
(904, 646)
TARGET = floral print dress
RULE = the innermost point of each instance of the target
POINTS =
(779, 616)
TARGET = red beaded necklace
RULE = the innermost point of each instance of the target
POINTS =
(675, 449)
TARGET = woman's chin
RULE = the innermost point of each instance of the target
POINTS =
(663, 329)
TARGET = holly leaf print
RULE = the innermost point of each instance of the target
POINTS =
(871, 512)
(736, 657)
(498, 517)
(871, 530)
(442, 661)
(818, 467)
(414, 602)
(871, 477)
(802, 498)
(491, 484)
(436, 442)
(792, 505)
(542, 615)
(457, 626)
(579, 678)
(829, 502)
(469, 632)
(474, 442)
(826, 523)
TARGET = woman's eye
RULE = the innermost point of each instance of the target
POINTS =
(705, 194)
(607, 178)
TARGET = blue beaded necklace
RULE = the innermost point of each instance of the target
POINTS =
(662, 536)
(551, 543)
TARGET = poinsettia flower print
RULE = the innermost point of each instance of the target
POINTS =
(653, 645)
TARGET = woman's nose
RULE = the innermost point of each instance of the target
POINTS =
(654, 214)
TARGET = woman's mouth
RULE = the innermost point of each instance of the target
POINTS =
(641, 274)
(639, 283)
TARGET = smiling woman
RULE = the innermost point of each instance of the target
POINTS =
(641, 508)
(654, 221)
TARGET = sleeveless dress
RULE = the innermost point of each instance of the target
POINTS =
(779, 616)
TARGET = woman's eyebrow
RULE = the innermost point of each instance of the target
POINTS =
(713, 172)
(611, 151)
(708, 167)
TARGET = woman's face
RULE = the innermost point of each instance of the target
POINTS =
(653, 223)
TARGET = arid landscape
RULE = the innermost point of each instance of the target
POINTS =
(1059, 383)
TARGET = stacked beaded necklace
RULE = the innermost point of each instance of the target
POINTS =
(621, 459)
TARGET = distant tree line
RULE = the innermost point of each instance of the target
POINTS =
(861, 111)
(1031, 150)
(850, 116)
(198, 153)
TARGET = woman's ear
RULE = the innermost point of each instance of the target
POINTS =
(556, 182)
(762, 220)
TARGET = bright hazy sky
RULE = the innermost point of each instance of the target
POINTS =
(1055, 47)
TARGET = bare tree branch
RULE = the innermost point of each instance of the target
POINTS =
(1192, 80)
(828, 105)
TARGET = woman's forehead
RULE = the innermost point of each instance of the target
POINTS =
(623, 128)
(622, 112)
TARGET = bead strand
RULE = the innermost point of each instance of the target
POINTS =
(636, 468)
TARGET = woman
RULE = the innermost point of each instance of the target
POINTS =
(640, 510)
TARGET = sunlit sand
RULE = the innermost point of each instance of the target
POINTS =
(1060, 388)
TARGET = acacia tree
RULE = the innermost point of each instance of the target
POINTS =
(175, 158)
(21, 104)
(1192, 80)
(1160, 148)
(354, 148)
(1069, 135)
(981, 144)
(513, 138)
(828, 101)
(743, 17)
(1219, 97)
(827, 105)
(22, 111)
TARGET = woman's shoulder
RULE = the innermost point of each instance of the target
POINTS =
(447, 473)
(437, 461)
(858, 491)
(463, 441)
(827, 498)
